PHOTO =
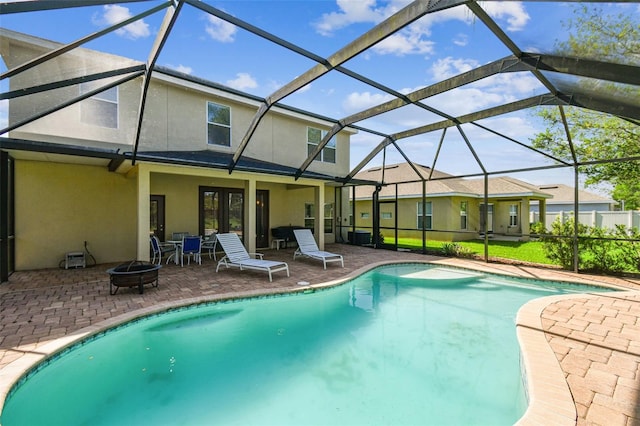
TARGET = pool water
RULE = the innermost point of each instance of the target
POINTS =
(399, 345)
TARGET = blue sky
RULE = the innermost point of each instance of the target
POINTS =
(437, 46)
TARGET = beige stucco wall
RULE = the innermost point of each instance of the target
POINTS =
(175, 116)
(175, 119)
(446, 217)
(180, 187)
(59, 206)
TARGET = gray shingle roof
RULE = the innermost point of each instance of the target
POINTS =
(565, 194)
(443, 186)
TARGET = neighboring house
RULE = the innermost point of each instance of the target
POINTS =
(564, 196)
(75, 179)
(453, 208)
(593, 209)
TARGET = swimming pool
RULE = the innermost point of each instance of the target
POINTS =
(403, 344)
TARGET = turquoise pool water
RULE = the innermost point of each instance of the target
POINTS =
(400, 345)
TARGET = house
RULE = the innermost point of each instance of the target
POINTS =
(99, 174)
(564, 196)
(453, 209)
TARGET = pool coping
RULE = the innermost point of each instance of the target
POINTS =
(548, 395)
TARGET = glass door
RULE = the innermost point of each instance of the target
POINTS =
(262, 218)
(486, 223)
(156, 216)
(235, 213)
(7, 222)
(221, 211)
(209, 212)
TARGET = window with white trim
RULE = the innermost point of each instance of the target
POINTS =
(314, 137)
(218, 124)
(463, 214)
(100, 109)
(425, 217)
(513, 215)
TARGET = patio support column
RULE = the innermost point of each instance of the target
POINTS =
(319, 215)
(525, 222)
(542, 210)
(250, 215)
(143, 225)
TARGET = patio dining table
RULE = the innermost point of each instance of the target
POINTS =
(177, 244)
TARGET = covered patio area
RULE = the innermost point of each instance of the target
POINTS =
(591, 335)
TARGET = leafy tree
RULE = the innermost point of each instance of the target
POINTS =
(597, 136)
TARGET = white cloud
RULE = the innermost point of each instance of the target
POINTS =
(515, 83)
(114, 14)
(414, 38)
(360, 101)
(404, 43)
(461, 40)
(448, 67)
(220, 30)
(242, 81)
(513, 12)
(182, 68)
(351, 12)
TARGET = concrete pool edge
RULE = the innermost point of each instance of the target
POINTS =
(549, 399)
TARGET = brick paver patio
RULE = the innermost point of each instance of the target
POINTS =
(595, 337)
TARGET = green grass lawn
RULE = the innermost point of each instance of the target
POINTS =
(529, 251)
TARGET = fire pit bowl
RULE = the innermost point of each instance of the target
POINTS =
(133, 274)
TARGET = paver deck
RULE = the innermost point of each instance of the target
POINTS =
(595, 337)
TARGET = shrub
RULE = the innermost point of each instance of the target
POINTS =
(599, 250)
(456, 250)
(537, 228)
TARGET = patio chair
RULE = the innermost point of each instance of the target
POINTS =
(210, 246)
(307, 247)
(159, 249)
(236, 256)
(191, 246)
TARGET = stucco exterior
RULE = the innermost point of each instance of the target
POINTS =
(446, 197)
(65, 200)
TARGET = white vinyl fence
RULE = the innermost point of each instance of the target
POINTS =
(599, 219)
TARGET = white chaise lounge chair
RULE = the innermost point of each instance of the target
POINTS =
(307, 247)
(236, 256)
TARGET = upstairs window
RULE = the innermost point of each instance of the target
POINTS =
(100, 109)
(218, 124)
(314, 137)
